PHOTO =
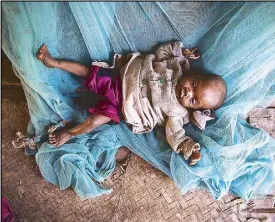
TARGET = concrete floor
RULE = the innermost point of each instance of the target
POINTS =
(141, 194)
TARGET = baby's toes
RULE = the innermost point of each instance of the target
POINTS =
(41, 52)
(42, 47)
(52, 140)
(55, 144)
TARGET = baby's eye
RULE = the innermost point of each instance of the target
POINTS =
(194, 84)
(192, 101)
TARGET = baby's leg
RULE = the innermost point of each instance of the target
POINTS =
(73, 67)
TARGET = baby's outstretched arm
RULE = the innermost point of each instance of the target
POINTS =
(175, 49)
(90, 123)
(181, 143)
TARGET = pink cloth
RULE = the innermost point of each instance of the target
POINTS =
(6, 213)
(106, 82)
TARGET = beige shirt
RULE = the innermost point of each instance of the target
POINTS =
(148, 89)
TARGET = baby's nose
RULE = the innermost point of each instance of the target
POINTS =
(189, 93)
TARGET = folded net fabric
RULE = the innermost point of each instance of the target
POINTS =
(236, 40)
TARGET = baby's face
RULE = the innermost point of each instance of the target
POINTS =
(197, 92)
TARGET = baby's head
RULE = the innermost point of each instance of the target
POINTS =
(201, 91)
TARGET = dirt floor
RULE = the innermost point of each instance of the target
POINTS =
(141, 194)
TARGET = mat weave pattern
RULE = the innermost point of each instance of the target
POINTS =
(141, 194)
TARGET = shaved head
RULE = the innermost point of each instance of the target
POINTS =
(219, 89)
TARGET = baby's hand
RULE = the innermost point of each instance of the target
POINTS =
(190, 150)
(187, 147)
(191, 53)
(194, 158)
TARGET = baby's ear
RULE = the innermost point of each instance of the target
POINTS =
(199, 118)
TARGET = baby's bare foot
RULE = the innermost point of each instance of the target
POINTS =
(44, 56)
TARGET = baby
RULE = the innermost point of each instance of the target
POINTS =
(147, 90)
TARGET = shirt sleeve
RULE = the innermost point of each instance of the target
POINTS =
(170, 55)
(175, 135)
(106, 108)
(169, 51)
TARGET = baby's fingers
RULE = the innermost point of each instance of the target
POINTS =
(193, 49)
(187, 152)
(51, 135)
(56, 144)
(196, 57)
(195, 157)
(196, 147)
(53, 141)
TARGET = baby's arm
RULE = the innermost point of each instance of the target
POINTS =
(169, 51)
(181, 143)
(175, 49)
(90, 123)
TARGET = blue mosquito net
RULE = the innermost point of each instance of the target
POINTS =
(237, 41)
